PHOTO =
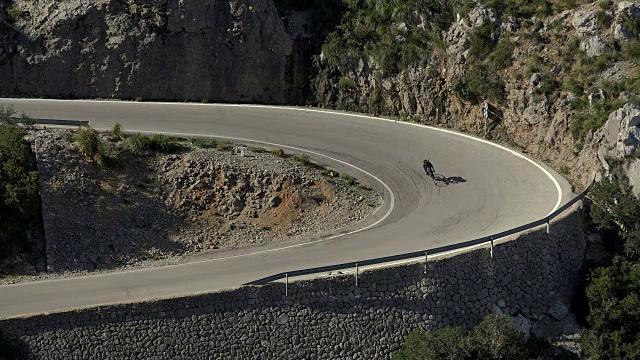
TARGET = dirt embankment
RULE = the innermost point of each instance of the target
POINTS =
(150, 209)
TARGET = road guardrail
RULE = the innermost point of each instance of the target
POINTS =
(52, 122)
(424, 253)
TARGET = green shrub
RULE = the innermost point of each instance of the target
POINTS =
(501, 58)
(603, 19)
(14, 13)
(107, 156)
(604, 4)
(461, 89)
(480, 82)
(630, 25)
(525, 8)
(613, 294)
(563, 5)
(493, 338)
(223, 146)
(614, 313)
(631, 50)
(632, 84)
(18, 191)
(204, 144)
(6, 115)
(595, 65)
(117, 132)
(279, 153)
(303, 159)
(592, 120)
(481, 41)
(345, 83)
(366, 29)
(449, 343)
(88, 140)
(548, 84)
(164, 144)
(579, 103)
(616, 208)
(573, 86)
(137, 144)
(258, 150)
(387, 55)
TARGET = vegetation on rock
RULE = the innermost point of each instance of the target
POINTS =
(613, 293)
(493, 338)
(18, 188)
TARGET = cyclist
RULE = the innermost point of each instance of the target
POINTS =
(428, 167)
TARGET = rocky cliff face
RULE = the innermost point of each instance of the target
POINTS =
(560, 74)
(232, 51)
(536, 106)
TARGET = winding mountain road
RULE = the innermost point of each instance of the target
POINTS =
(492, 189)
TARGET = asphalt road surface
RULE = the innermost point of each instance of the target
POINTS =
(484, 189)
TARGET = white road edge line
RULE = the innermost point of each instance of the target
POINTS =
(384, 217)
(293, 108)
(549, 175)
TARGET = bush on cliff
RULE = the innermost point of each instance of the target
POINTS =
(493, 338)
(18, 190)
(614, 313)
(388, 31)
(613, 294)
(479, 82)
(616, 208)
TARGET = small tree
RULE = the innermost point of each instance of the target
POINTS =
(493, 338)
(614, 313)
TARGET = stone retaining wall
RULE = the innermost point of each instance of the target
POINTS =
(323, 318)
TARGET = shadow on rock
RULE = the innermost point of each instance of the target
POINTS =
(12, 348)
(101, 219)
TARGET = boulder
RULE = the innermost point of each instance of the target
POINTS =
(481, 15)
(585, 22)
(620, 135)
(620, 33)
(535, 79)
(496, 310)
(282, 319)
(594, 46)
(558, 311)
(509, 25)
(629, 9)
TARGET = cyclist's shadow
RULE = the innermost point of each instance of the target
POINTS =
(442, 181)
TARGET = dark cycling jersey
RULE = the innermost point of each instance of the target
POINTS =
(428, 167)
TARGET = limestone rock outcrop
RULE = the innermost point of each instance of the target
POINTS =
(198, 50)
(617, 139)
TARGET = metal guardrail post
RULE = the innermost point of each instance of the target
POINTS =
(492, 247)
(426, 258)
(548, 226)
(286, 285)
(356, 274)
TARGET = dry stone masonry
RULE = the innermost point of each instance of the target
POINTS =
(328, 318)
